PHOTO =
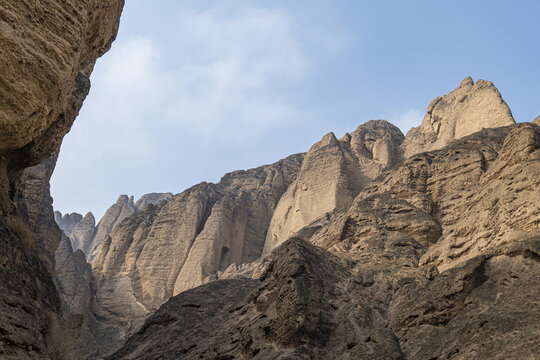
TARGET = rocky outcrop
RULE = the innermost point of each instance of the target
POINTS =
(536, 121)
(152, 199)
(79, 229)
(48, 50)
(471, 107)
(166, 249)
(438, 258)
(333, 173)
(87, 336)
(86, 236)
(120, 210)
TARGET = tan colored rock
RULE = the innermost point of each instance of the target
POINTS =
(80, 230)
(469, 108)
(161, 251)
(333, 173)
(153, 199)
(536, 121)
(117, 212)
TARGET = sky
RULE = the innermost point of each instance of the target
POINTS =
(192, 90)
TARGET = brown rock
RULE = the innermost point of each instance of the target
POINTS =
(48, 50)
(332, 174)
(431, 260)
(155, 254)
(469, 108)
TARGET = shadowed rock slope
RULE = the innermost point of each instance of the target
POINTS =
(47, 50)
(437, 257)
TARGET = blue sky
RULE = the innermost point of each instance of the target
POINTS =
(192, 90)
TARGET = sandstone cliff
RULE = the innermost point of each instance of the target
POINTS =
(332, 174)
(85, 235)
(48, 50)
(469, 108)
(163, 250)
(435, 258)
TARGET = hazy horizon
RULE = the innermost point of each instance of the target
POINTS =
(189, 92)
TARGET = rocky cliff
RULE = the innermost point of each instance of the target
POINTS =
(332, 174)
(86, 236)
(471, 107)
(48, 50)
(433, 255)
(180, 244)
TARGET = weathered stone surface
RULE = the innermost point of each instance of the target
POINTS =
(536, 121)
(431, 260)
(85, 235)
(300, 309)
(469, 108)
(80, 230)
(163, 250)
(114, 215)
(152, 199)
(47, 52)
(333, 173)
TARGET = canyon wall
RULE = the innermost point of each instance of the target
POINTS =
(48, 51)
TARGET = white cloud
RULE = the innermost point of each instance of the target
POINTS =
(227, 79)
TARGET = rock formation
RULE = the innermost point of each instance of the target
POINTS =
(376, 246)
(469, 108)
(80, 230)
(333, 173)
(436, 258)
(84, 234)
(163, 250)
(152, 199)
(48, 50)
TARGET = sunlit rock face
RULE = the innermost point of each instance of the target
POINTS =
(471, 107)
(47, 50)
(333, 173)
(86, 236)
(193, 238)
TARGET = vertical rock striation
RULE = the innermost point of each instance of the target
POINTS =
(333, 173)
(191, 239)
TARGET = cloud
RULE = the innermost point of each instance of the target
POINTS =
(226, 77)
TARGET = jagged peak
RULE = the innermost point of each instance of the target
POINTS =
(468, 81)
(467, 109)
(329, 139)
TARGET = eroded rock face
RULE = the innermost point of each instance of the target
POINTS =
(471, 107)
(422, 265)
(85, 235)
(152, 199)
(79, 229)
(166, 249)
(47, 52)
(333, 173)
